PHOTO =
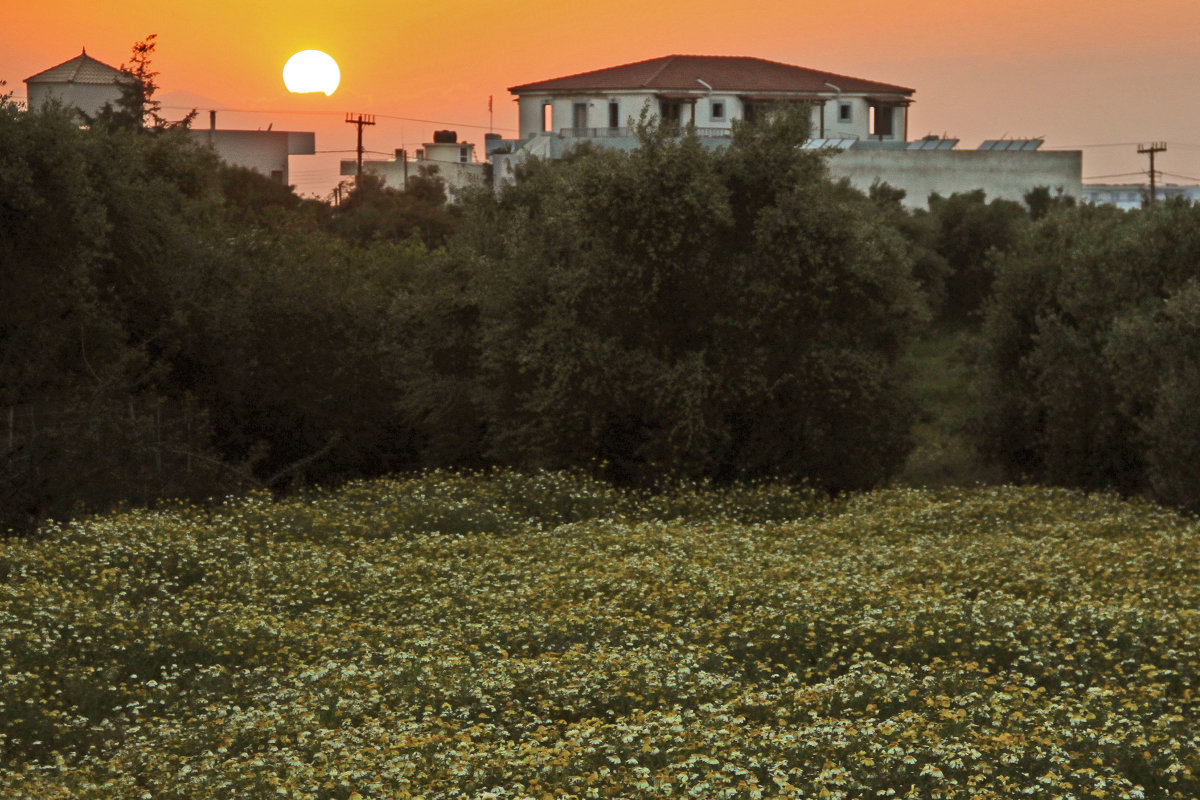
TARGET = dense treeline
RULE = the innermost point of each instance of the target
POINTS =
(171, 326)
(1090, 353)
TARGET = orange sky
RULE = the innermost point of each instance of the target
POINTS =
(1079, 72)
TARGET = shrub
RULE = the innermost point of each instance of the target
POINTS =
(1087, 355)
(702, 313)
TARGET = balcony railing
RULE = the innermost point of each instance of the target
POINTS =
(628, 133)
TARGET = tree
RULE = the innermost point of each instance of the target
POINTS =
(677, 310)
(971, 233)
(373, 211)
(92, 223)
(137, 107)
(1088, 373)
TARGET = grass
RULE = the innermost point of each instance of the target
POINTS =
(506, 635)
(940, 384)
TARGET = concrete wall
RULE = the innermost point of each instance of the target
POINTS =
(456, 174)
(87, 97)
(630, 106)
(449, 152)
(262, 151)
(1002, 174)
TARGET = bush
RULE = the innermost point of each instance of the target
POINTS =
(679, 310)
(1088, 366)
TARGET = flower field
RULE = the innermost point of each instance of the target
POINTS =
(540, 636)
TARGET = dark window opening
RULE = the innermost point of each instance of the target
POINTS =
(845, 112)
(670, 111)
(718, 109)
(580, 115)
(882, 121)
(614, 114)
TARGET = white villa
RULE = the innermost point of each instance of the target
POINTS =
(866, 124)
(710, 92)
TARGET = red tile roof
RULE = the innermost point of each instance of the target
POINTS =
(724, 73)
(80, 69)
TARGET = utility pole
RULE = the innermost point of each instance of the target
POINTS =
(1151, 149)
(360, 120)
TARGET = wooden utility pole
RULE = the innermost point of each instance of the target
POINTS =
(360, 120)
(1151, 149)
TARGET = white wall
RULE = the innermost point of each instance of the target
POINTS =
(1002, 174)
(456, 174)
(262, 151)
(87, 97)
(631, 104)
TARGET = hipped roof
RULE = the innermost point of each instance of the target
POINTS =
(734, 74)
(80, 69)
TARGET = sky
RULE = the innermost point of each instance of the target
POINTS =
(1096, 75)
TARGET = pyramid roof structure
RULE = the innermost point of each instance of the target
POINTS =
(80, 69)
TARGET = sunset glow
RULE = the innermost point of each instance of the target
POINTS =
(1078, 73)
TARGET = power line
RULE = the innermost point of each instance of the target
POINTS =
(1115, 175)
(1082, 146)
(285, 112)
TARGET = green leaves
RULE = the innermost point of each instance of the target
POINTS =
(647, 309)
(1087, 354)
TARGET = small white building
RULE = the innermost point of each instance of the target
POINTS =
(82, 82)
(446, 157)
(265, 152)
(863, 124)
(1135, 195)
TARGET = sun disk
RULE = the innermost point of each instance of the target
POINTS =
(311, 71)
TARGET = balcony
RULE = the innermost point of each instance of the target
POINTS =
(629, 133)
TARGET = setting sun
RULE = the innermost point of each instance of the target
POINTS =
(311, 71)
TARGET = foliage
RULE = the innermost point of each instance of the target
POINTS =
(136, 107)
(159, 338)
(1088, 358)
(962, 644)
(920, 231)
(971, 233)
(91, 226)
(373, 211)
(676, 309)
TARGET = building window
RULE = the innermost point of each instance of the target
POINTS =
(614, 114)
(717, 110)
(580, 115)
(845, 112)
(547, 117)
(463, 154)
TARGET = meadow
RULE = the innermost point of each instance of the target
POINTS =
(535, 636)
